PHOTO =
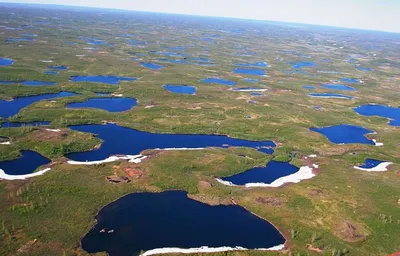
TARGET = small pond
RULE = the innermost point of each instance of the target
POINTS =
(250, 80)
(339, 87)
(27, 163)
(6, 62)
(113, 80)
(50, 72)
(30, 83)
(10, 108)
(146, 221)
(345, 134)
(58, 67)
(309, 87)
(245, 71)
(255, 64)
(330, 95)
(303, 64)
(216, 80)
(180, 89)
(380, 110)
(23, 124)
(351, 80)
(109, 104)
(151, 66)
(120, 140)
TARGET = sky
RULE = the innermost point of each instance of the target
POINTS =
(381, 15)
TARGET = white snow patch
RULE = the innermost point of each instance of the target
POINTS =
(312, 156)
(382, 167)
(46, 61)
(116, 95)
(206, 249)
(5, 143)
(131, 158)
(150, 106)
(304, 173)
(250, 90)
(80, 55)
(6, 176)
(53, 130)
(378, 144)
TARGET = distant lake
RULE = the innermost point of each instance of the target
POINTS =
(6, 62)
(350, 80)
(216, 80)
(345, 134)
(120, 140)
(260, 64)
(23, 124)
(10, 108)
(330, 95)
(391, 113)
(310, 87)
(244, 71)
(145, 221)
(27, 163)
(113, 80)
(339, 87)
(117, 104)
(303, 64)
(180, 89)
(250, 80)
(271, 172)
(30, 83)
(151, 66)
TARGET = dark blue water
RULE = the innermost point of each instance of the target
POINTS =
(50, 72)
(244, 71)
(113, 80)
(174, 61)
(37, 83)
(126, 141)
(58, 67)
(310, 87)
(382, 111)
(256, 64)
(6, 62)
(257, 94)
(273, 171)
(27, 163)
(201, 59)
(20, 124)
(151, 66)
(330, 95)
(181, 89)
(145, 221)
(10, 108)
(364, 69)
(350, 80)
(345, 134)
(216, 80)
(370, 163)
(303, 64)
(339, 87)
(250, 80)
(108, 104)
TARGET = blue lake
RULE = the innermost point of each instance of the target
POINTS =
(271, 172)
(256, 94)
(126, 141)
(255, 72)
(350, 80)
(50, 72)
(181, 89)
(250, 80)
(216, 80)
(146, 221)
(22, 124)
(10, 108)
(364, 69)
(113, 80)
(330, 95)
(310, 87)
(256, 64)
(382, 111)
(58, 67)
(339, 87)
(27, 163)
(30, 83)
(108, 104)
(370, 163)
(151, 66)
(134, 42)
(345, 134)
(6, 62)
(173, 61)
(303, 64)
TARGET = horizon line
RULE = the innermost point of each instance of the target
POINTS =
(201, 15)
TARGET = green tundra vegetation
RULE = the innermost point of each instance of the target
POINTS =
(341, 211)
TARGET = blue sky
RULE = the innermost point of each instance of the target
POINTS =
(365, 14)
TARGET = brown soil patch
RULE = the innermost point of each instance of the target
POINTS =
(204, 185)
(316, 192)
(43, 134)
(350, 232)
(118, 179)
(272, 201)
(134, 172)
(312, 248)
